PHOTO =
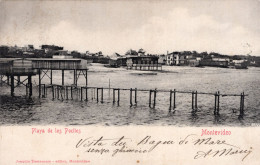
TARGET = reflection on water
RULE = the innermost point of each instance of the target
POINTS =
(19, 110)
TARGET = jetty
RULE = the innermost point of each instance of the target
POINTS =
(88, 93)
(43, 67)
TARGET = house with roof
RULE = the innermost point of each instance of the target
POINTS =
(173, 58)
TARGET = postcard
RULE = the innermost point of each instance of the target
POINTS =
(130, 82)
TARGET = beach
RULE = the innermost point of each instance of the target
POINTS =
(20, 111)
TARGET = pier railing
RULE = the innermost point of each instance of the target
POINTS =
(66, 92)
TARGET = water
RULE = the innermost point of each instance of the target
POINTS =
(19, 111)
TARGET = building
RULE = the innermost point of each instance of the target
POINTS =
(162, 59)
(143, 63)
(214, 63)
(173, 58)
(48, 48)
(182, 60)
(193, 61)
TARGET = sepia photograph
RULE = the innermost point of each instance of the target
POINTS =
(81, 65)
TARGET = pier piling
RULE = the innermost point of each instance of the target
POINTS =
(102, 95)
(118, 96)
(52, 88)
(192, 102)
(62, 76)
(174, 99)
(44, 91)
(218, 103)
(30, 85)
(59, 91)
(170, 108)
(51, 77)
(66, 88)
(242, 99)
(154, 98)
(150, 93)
(81, 93)
(216, 109)
(113, 96)
(12, 85)
(39, 83)
(86, 93)
(97, 94)
(135, 95)
(71, 92)
(131, 97)
(8, 80)
(196, 101)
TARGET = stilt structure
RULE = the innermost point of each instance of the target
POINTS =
(18, 67)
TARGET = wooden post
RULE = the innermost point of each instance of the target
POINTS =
(58, 92)
(86, 78)
(51, 77)
(44, 90)
(74, 76)
(192, 100)
(242, 104)
(118, 95)
(18, 80)
(174, 95)
(102, 90)
(62, 77)
(215, 109)
(76, 82)
(30, 85)
(135, 95)
(131, 97)
(243, 108)
(61, 88)
(170, 100)
(27, 89)
(113, 95)
(86, 93)
(196, 101)
(52, 92)
(55, 92)
(218, 104)
(40, 92)
(154, 98)
(71, 92)
(97, 94)
(67, 97)
(12, 85)
(150, 92)
(81, 95)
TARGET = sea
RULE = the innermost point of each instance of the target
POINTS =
(20, 110)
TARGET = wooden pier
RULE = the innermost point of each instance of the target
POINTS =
(11, 68)
(98, 95)
(43, 67)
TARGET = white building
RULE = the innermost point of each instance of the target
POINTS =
(173, 58)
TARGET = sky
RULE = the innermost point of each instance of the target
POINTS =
(225, 26)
